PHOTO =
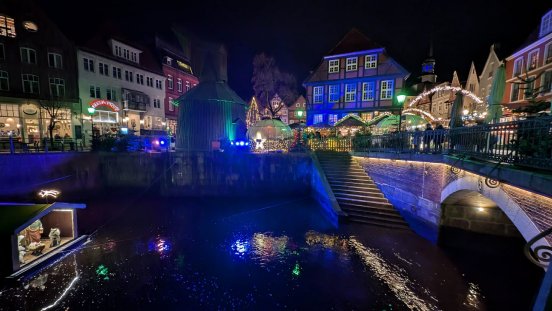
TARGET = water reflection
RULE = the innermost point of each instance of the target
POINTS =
(473, 298)
(267, 248)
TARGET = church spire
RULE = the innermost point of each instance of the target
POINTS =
(428, 67)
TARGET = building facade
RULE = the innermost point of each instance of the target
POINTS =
(533, 61)
(125, 85)
(179, 76)
(280, 107)
(38, 88)
(486, 79)
(297, 111)
(472, 85)
(357, 76)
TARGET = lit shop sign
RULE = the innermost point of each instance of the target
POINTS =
(106, 103)
(184, 65)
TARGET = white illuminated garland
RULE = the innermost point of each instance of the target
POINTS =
(420, 111)
(446, 88)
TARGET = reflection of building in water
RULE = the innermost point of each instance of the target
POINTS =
(268, 247)
(328, 241)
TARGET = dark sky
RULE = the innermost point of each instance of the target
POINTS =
(299, 33)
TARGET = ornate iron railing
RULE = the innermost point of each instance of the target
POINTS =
(540, 255)
(524, 143)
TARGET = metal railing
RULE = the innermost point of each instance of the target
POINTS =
(524, 143)
(540, 255)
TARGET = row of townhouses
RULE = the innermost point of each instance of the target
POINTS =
(359, 77)
(49, 84)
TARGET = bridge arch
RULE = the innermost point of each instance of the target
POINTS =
(470, 184)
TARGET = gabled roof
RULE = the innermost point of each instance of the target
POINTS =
(491, 58)
(353, 41)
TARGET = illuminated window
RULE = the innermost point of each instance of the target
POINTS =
(386, 89)
(4, 81)
(88, 64)
(350, 92)
(7, 26)
(171, 106)
(333, 65)
(318, 93)
(546, 24)
(28, 56)
(371, 61)
(318, 118)
(57, 87)
(170, 82)
(179, 85)
(367, 91)
(332, 118)
(30, 26)
(532, 60)
(515, 92)
(547, 82)
(333, 93)
(351, 63)
(30, 84)
(55, 60)
(518, 65)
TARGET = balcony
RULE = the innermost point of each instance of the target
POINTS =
(135, 100)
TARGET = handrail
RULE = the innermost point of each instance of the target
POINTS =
(540, 255)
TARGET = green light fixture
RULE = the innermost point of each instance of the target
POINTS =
(91, 110)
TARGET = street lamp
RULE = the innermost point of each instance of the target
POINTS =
(91, 111)
(400, 99)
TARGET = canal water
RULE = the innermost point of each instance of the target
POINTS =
(264, 254)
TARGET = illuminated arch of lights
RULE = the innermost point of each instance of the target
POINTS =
(420, 112)
(446, 88)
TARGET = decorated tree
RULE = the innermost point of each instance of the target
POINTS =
(253, 114)
(268, 80)
(55, 111)
(533, 94)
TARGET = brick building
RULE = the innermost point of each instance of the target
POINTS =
(179, 76)
(356, 76)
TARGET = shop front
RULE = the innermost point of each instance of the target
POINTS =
(106, 118)
(29, 123)
(36, 233)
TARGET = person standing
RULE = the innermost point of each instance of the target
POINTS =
(428, 136)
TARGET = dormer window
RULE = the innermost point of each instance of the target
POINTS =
(7, 26)
(546, 24)
(168, 60)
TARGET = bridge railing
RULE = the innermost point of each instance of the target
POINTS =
(525, 143)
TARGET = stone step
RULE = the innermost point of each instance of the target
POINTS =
(349, 178)
(357, 190)
(375, 197)
(371, 210)
(353, 184)
(363, 203)
(345, 173)
(379, 223)
(378, 217)
(335, 168)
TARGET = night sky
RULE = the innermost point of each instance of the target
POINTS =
(299, 33)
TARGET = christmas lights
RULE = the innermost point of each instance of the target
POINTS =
(446, 88)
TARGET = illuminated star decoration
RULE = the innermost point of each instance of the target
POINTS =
(260, 143)
(49, 193)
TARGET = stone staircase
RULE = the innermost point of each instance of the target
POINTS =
(356, 193)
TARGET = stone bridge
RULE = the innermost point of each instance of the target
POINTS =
(438, 191)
